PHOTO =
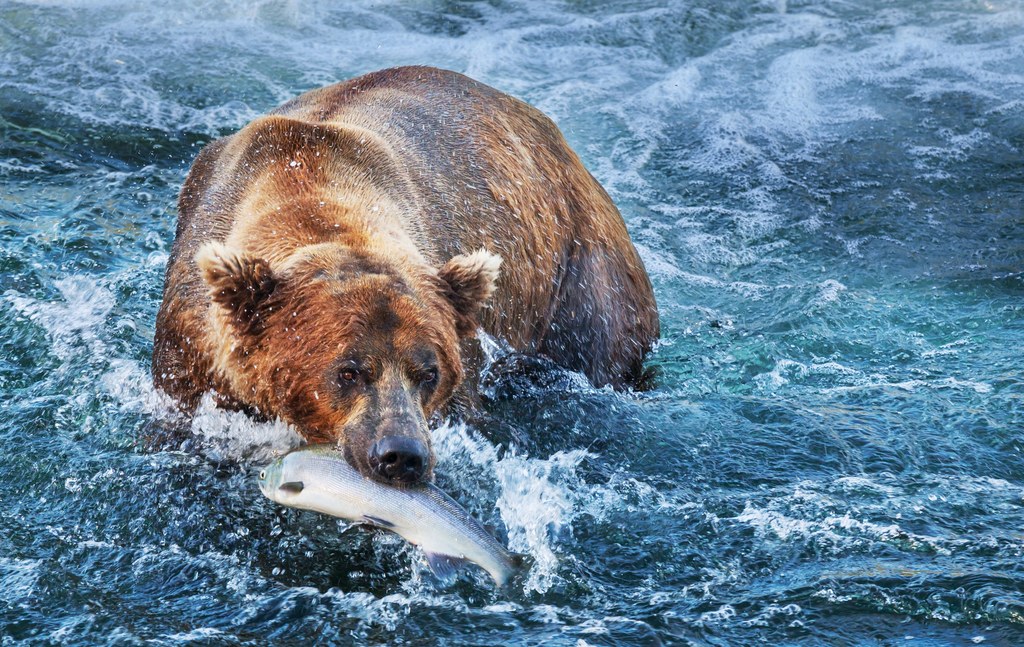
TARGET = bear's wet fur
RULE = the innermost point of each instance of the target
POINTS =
(334, 258)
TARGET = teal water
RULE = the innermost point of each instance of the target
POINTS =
(829, 197)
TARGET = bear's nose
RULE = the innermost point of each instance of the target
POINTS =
(399, 459)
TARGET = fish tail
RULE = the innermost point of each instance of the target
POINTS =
(518, 565)
(520, 561)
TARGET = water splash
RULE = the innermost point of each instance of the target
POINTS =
(536, 498)
(73, 322)
(235, 437)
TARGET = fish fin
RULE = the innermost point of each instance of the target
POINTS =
(377, 521)
(443, 566)
(291, 486)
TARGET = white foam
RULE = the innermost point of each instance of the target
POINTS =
(73, 322)
(658, 264)
(855, 484)
(959, 148)
(829, 292)
(672, 91)
(786, 371)
(234, 436)
(721, 615)
(198, 634)
(836, 534)
(131, 386)
(772, 613)
(12, 166)
(879, 381)
(782, 373)
(820, 512)
(78, 325)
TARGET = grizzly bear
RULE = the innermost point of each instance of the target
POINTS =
(334, 258)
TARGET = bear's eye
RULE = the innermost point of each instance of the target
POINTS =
(348, 376)
(428, 377)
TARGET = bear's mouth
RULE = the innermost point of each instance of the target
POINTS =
(350, 458)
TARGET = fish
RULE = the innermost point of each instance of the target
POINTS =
(318, 478)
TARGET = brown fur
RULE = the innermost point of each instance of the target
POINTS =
(350, 224)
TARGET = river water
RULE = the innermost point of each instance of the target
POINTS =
(827, 195)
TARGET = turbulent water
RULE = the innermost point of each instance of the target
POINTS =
(827, 195)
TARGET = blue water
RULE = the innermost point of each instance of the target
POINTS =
(827, 195)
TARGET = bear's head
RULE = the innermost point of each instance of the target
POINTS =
(351, 347)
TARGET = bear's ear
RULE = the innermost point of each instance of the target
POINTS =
(469, 280)
(239, 283)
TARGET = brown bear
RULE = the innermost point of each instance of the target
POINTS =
(333, 260)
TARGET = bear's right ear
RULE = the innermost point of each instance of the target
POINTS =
(239, 283)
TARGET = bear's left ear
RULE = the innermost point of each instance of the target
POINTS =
(239, 283)
(469, 280)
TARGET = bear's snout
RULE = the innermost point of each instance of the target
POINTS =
(399, 459)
